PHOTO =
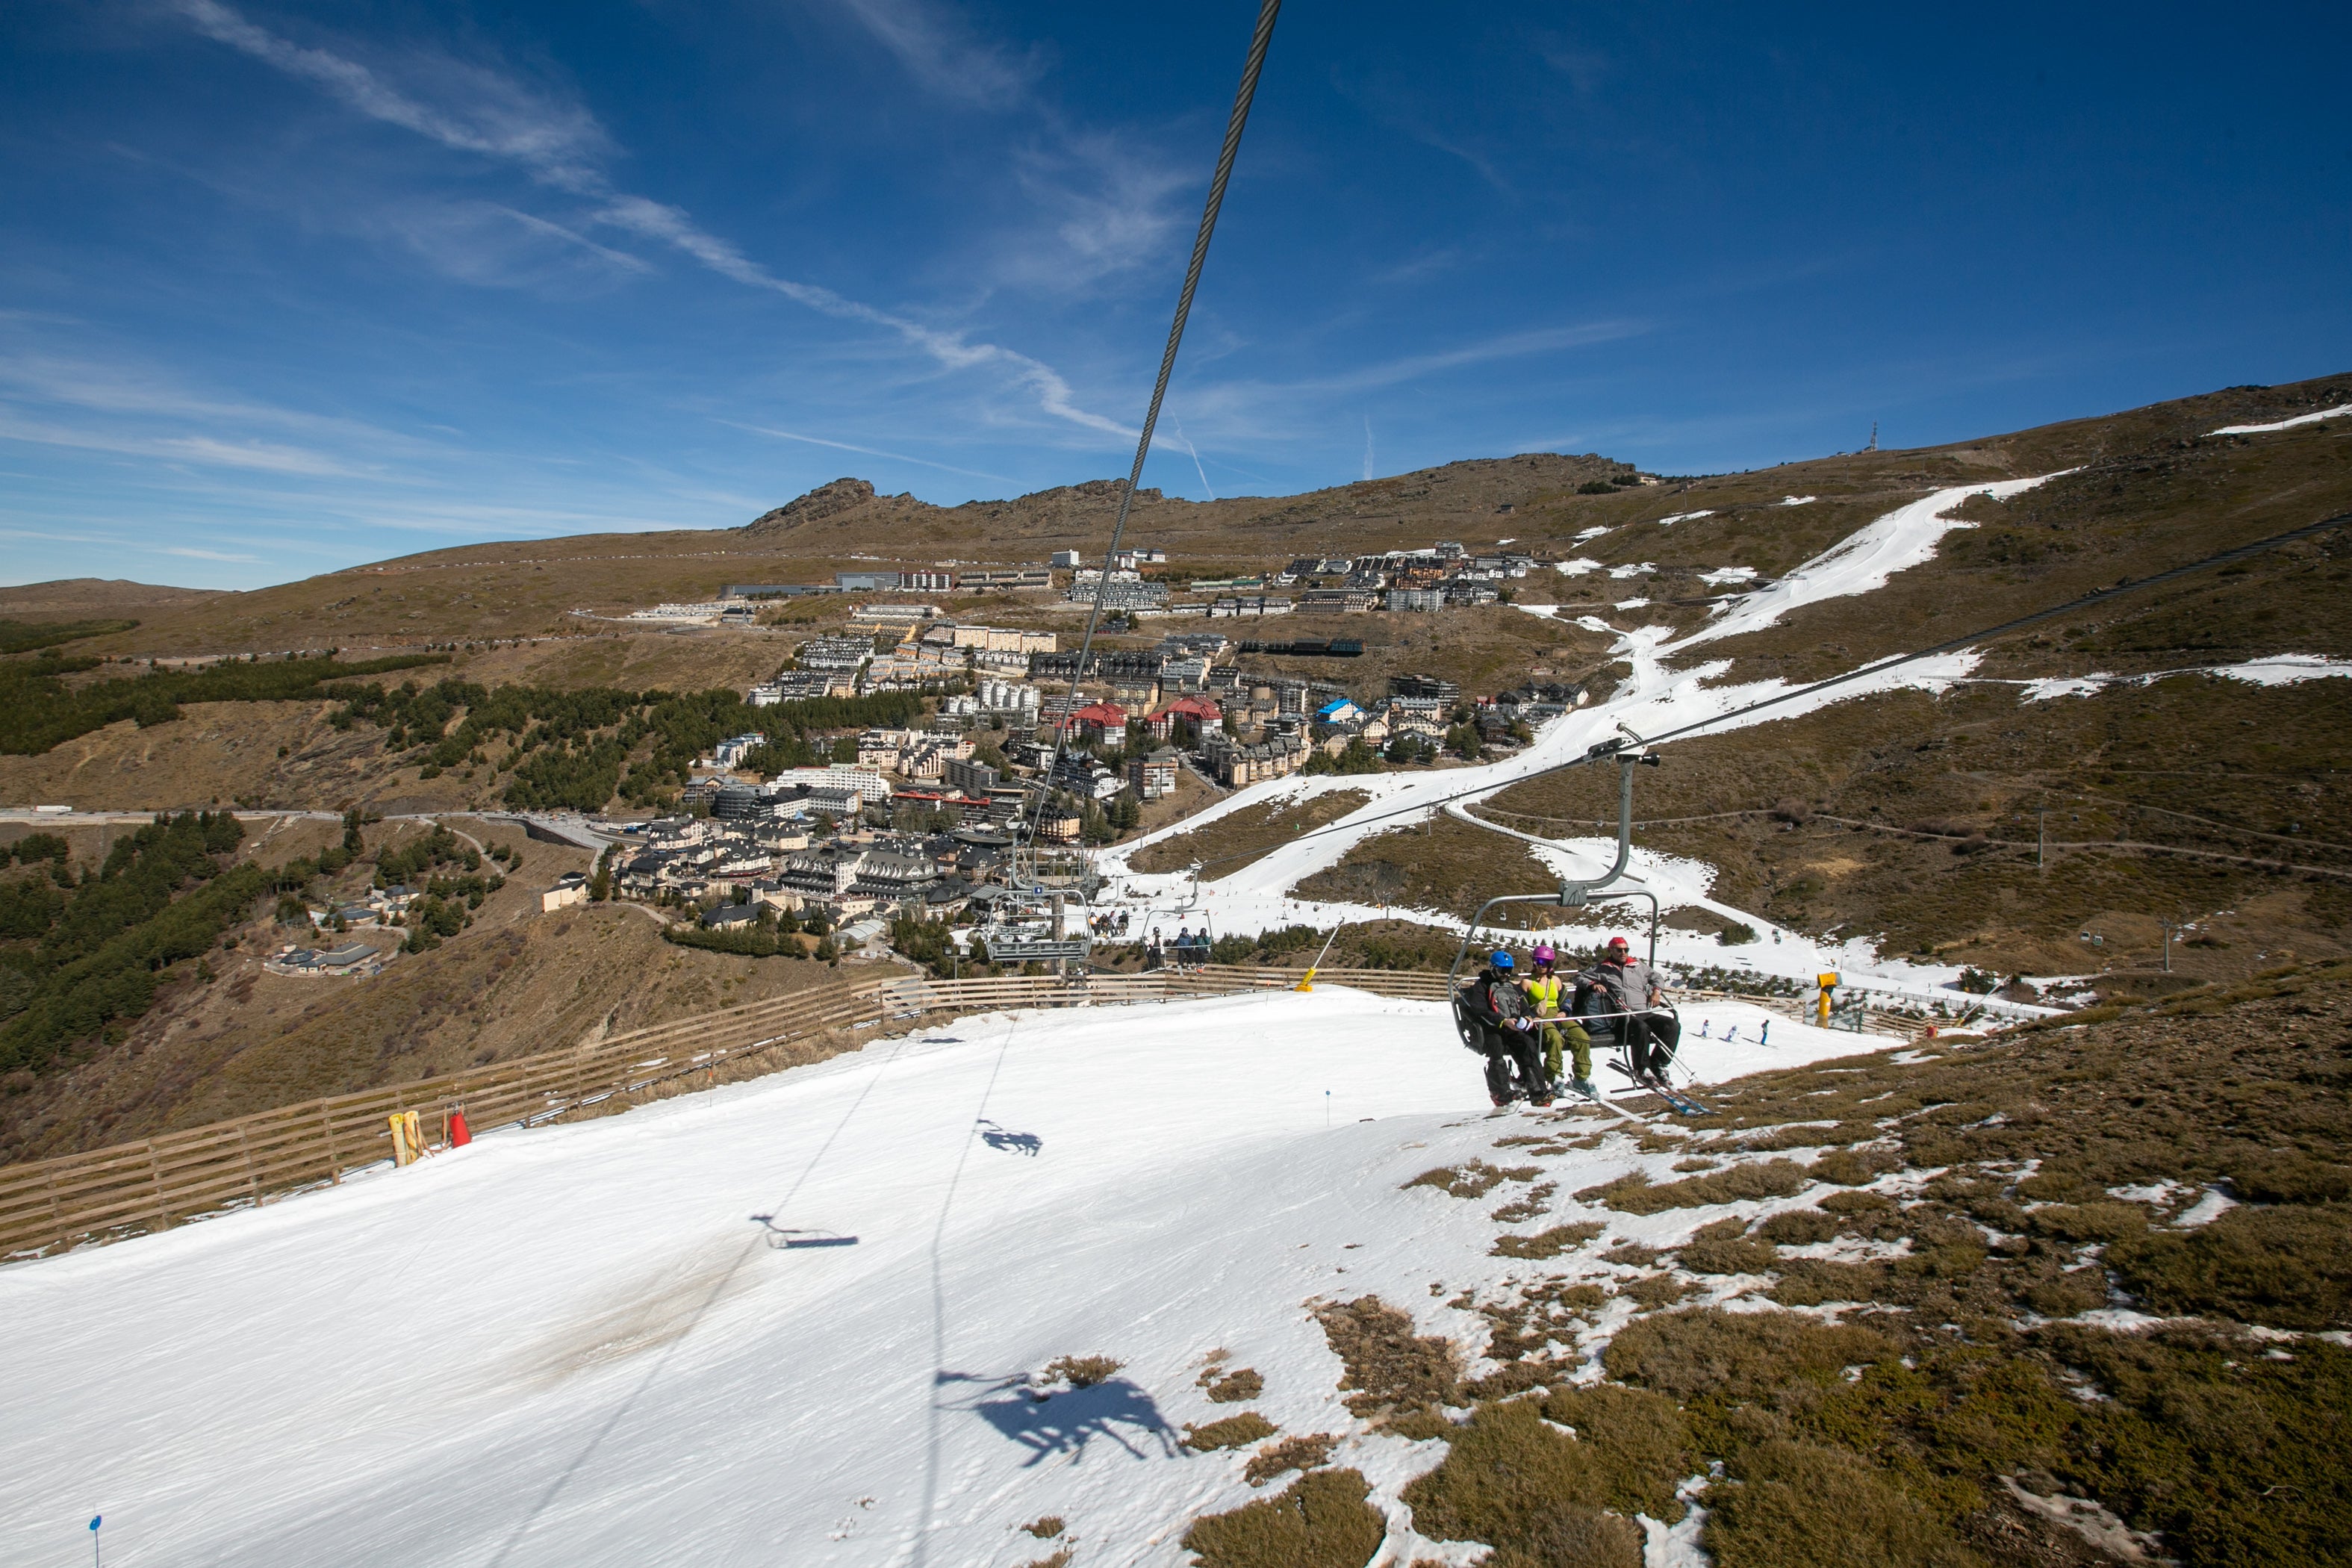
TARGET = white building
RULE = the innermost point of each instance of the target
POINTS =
(716, 609)
(865, 783)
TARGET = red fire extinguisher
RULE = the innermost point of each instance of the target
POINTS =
(459, 1133)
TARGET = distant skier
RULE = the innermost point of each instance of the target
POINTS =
(1495, 1006)
(1548, 997)
(1617, 995)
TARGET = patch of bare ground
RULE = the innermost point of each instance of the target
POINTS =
(690, 660)
(1320, 1520)
(1240, 837)
(1397, 1376)
(76, 598)
(1443, 866)
(1228, 1432)
(1191, 796)
(264, 753)
(1309, 1452)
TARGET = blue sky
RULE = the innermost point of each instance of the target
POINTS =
(284, 288)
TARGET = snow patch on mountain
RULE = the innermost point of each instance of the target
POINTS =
(1865, 559)
(2299, 419)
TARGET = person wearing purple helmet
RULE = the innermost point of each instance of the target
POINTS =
(1544, 990)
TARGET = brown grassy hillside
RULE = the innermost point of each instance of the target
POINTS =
(227, 1037)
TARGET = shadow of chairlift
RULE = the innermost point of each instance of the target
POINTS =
(782, 1239)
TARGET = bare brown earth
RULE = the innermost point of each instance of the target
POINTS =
(1236, 840)
(227, 753)
(69, 598)
(226, 1037)
(1442, 865)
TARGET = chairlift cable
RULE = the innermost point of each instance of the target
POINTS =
(1259, 41)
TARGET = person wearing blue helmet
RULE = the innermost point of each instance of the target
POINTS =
(1497, 1009)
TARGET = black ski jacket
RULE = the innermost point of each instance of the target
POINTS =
(1493, 1000)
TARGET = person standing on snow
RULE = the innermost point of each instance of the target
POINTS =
(1623, 991)
(1495, 1005)
(1545, 990)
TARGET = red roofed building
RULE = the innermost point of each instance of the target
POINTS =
(1202, 712)
(1097, 719)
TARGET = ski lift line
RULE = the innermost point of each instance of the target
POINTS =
(1607, 749)
(922, 1534)
(1259, 41)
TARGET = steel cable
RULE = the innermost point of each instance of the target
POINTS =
(1259, 40)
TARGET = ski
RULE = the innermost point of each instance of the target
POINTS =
(1684, 1102)
(1673, 1097)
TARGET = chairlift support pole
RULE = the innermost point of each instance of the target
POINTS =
(1632, 752)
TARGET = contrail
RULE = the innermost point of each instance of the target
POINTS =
(1196, 458)
(1367, 446)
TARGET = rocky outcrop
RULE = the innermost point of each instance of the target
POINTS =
(826, 501)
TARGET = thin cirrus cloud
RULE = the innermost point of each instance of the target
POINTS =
(560, 145)
(867, 451)
(118, 408)
(264, 457)
(943, 55)
(190, 553)
(1251, 405)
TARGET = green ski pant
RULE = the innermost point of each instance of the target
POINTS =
(1579, 1043)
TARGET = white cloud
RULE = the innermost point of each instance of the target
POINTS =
(867, 451)
(942, 54)
(194, 555)
(558, 144)
(265, 456)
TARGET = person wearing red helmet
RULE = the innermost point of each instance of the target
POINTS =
(1618, 994)
(1547, 997)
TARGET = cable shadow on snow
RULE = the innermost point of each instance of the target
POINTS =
(1066, 1422)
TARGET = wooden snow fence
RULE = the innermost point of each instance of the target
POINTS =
(156, 1183)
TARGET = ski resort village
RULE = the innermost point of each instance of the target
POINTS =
(857, 785)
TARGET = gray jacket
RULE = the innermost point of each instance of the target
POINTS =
(1616, 990)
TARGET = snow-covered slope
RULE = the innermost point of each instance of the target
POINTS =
(574, 1346)
(1652, 700)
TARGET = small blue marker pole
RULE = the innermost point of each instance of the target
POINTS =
(1326, 1111)
(95, 1520)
